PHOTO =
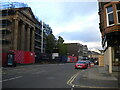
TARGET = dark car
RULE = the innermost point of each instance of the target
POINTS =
(88, 62)
(96, 62)
(81, 64)
(91, 64)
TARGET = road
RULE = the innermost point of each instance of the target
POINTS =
(40, 76)
(49, 76)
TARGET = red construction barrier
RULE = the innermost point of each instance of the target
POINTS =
(72, 59)
(29, 57)
(4, 59)
(24, 57)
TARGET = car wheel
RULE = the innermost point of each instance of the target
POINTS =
(75, 68)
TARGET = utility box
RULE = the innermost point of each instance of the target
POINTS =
(101, 60)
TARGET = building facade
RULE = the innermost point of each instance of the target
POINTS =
(18, 29)
(77, 49)
(85, 50)
(21, 30)
(109, 13)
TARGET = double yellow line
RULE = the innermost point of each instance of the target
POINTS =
(69, 82)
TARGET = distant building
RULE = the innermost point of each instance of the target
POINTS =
(93, 54)
(109, 13)
(85, 50)
(77, 49)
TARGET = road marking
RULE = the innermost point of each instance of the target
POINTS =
(70, 82)
(11, 79)
(83, 86)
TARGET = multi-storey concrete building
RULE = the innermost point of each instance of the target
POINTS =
(109, 13)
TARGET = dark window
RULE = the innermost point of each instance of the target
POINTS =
(110, 16)
(118, 6)
(118, 12)
(109, 9)
(119, 17)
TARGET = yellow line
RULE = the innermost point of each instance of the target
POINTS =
(73, 79)
(70, 79)
(95, 87)
(69, 82)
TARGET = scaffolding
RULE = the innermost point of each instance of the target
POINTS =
(7, 5)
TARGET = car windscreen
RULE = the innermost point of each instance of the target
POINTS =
(81, 62)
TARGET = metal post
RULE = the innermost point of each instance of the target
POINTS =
(72, 87)
(42, 39)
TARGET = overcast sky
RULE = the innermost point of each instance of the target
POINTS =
(76, 22)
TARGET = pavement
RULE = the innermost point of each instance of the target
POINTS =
(97, 77)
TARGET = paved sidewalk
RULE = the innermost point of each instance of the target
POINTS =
(97, 77)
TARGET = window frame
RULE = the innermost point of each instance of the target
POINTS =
(112, 12)
(117, 14)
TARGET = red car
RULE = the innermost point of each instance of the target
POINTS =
(81, 64)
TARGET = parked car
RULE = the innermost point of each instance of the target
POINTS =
(81, 64)
(88, 62)
(92, 60)
(91, 64)
(96, 62)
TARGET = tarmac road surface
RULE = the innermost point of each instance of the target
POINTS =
(49, 76)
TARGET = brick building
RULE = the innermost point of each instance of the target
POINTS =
(77, 50)
(109, 13)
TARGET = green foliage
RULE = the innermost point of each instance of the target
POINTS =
(62, 49)
(61, 46)
(50, 43)
(60, 40)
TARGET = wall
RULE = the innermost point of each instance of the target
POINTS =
(108, 59)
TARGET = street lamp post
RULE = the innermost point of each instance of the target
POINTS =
(42, 39)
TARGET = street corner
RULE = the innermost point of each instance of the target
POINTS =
(88, 79)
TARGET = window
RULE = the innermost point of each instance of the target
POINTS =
(118, 12)
(110, 17)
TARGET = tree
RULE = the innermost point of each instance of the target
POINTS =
(62, 49)
(60, 40)
(61, 46)
(50, 43)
